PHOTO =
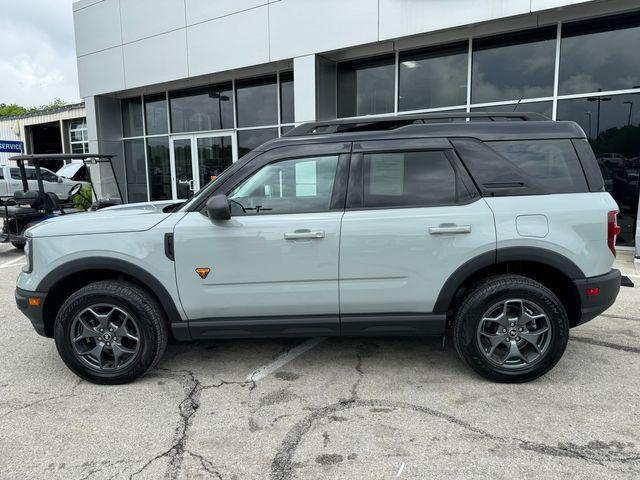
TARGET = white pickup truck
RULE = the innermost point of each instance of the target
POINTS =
(10, 182)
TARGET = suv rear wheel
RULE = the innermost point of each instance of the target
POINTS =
(510, 328)
(110, 332)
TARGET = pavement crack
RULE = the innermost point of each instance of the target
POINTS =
(599, 343)
(187, 408)
(43, 400)
(206, 465)
(282, 466)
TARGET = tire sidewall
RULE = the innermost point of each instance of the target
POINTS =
(480, 301)
(144, 357)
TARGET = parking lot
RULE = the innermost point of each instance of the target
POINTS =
(322, 408)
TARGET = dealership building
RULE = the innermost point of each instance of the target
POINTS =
(180, 89)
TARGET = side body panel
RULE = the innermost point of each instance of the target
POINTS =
(142, 249)
(571, 224)
(391, 263)
(255, 271)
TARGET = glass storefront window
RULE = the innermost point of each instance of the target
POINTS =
(286, 98)
(155, 111)
(78, 136)
(132, 117)
(612, 124)
(510, 67)
(159, 168)
(215, 154)
(204, 108)
(257, 101)
(366, 87)
(545, 108)
(600, 55)
(136, 174)
(433, 78)
(250, 139)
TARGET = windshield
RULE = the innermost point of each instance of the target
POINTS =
(104, 180)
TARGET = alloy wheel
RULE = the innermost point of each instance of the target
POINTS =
(105, 337)
(514, 334)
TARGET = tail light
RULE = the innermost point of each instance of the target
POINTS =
(613, 229)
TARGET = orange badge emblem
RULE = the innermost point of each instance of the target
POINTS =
(203, 272)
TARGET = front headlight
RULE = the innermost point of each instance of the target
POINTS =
(28, 254)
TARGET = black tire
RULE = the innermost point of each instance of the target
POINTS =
(490, 292)
(18, 245)
(151, 328)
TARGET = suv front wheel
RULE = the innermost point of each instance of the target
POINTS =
(110, 332)
(510, 328)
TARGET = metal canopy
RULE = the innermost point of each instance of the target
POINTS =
(60, 156)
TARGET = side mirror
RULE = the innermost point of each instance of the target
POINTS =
(218, 208)
(60, 180)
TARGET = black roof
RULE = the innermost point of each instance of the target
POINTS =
(489, 126)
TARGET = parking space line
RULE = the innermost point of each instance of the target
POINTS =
(283, 359)
(12, 263)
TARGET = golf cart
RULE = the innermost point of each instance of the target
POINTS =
(33, 203)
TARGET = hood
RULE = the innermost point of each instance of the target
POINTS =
(149, 206)
(135, 217)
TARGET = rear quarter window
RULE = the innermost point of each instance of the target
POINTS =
(553, 164)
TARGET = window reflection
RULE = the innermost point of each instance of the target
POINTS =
(612, 124)
(366, 87)
(257, 101)
(136, 174)
(215, 154)
(600, 55)
(159, 168)
(206, 108)
(545, 108)
(286, 97)
(132, 117)
(155, 111)
(250, 139)
(513, 67)
(433, 78)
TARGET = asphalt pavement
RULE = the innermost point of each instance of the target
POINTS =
(338, 408)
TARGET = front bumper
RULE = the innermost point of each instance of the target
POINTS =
(593, 305)
(33, 313)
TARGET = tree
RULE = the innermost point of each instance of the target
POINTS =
(9, 109)
(6, 110)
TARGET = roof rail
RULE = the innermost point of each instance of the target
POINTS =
(398, 121)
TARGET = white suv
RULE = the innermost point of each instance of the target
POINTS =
(495, 227)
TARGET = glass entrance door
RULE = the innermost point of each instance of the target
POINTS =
(198, 159)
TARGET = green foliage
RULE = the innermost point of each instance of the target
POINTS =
(7, 110)
(10, 109)
(56, 103)
(80, 202)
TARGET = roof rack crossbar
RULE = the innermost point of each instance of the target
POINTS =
(397, 121)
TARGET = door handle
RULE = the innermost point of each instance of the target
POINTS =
(304, 234)
(446, 228)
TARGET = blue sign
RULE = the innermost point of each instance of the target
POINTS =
(10, 146)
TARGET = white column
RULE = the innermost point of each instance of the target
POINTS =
(304, 88)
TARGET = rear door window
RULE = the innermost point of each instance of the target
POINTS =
(410, 179)
(553, 164)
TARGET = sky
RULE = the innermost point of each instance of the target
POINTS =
(37, 52)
